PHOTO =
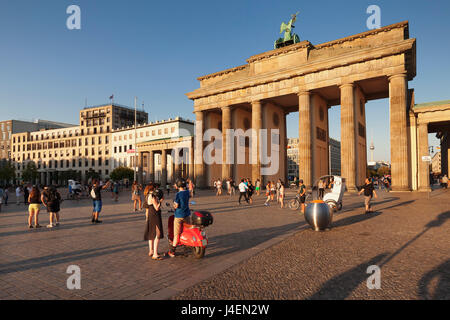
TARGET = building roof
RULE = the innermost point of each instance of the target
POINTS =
(432, 104)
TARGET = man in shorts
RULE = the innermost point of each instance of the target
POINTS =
(182, 214)
(97, 199)
(369, 192)
(302, 193)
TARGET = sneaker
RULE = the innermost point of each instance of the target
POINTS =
(93, 220)
(98, 221)
(30, 227)
(50, 226)
(57, 224)
(38, 226)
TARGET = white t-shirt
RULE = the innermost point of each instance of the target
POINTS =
(242, 187)
(18, 192)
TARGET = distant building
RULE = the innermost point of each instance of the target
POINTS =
(334, 155)
(75, 148)
(436, 163)
(10, 127)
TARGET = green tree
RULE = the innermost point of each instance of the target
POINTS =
(30, 172)
(383, 171)
(92, 174)
(121, 173)
(7, 172)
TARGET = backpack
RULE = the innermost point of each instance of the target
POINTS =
(51, 196)
(93, 193)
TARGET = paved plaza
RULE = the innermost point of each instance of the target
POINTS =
(255, 252)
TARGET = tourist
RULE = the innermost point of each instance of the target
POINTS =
(369, 192)
(191, 188)
(19, 193)
(136, 195)
(52, 199)
(281, 194)
(243, 191)
(6, 195)
(250, 191)
(233, 187)
(182, 214)
(115, 191)
(97, 199)
(321, 187)
(2, 193)
(444, 181)
(153, 228)
(272, 190)
(302, 194)
(219, 187)
(277, 189)
(34, 199)
(26, 193)
(257, 187)
(228, 183)
(266, 203)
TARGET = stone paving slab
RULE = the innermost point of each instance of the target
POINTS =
(407, 237)
(113, 256)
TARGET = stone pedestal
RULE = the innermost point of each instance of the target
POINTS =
(399, 134)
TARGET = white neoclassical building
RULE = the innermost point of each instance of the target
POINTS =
(124, 152)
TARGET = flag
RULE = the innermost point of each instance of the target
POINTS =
(112, 97)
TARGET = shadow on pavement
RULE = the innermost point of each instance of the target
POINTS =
(341, 286)
(442, 289)
(69, 257)
(354, 219)
(227, 243)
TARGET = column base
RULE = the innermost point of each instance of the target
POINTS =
(424, 189)
(351, 189)
(400, 189)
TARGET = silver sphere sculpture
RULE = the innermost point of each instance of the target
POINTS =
(318, 215)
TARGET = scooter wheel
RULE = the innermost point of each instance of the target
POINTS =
(199, 252)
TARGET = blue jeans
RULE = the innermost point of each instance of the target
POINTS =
(97, 205)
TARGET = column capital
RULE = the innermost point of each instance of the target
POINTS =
(347, 84)
(225, 108)
(397, 75)
(303, 92)
(253, 102)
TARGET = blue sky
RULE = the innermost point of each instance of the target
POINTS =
(155, 50)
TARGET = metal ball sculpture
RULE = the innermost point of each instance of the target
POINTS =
(318, 215)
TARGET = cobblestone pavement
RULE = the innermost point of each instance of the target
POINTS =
(255, 252)
(113, 257)
(407, 237)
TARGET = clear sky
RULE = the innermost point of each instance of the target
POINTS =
(155, 50)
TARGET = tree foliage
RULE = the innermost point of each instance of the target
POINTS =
(30, 172)
(122, 173)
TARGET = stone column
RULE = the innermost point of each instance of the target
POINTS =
(422, 146)
(199, 176)
(226, 145)
(348, 136)
(141, 168)
(178, 163)
(305, 138)
(256, 143)
(445, 165)
(151, 166)
(163, 169)
(399, 135)
(191, 160)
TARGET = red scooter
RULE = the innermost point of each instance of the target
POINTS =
(192, 235)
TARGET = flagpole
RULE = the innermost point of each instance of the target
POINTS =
(135, 147)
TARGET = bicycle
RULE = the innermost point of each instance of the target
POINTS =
(294, 204)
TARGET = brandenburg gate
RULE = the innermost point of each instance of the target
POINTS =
(310, 79)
